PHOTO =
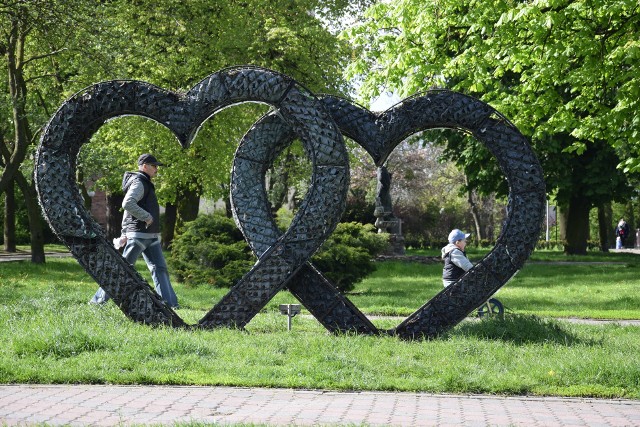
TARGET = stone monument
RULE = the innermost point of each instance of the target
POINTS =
(386, 221)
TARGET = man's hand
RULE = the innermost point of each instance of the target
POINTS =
(119, 242)
(149, 222)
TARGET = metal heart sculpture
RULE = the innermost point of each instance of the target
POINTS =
(82, 115)
(379, 134)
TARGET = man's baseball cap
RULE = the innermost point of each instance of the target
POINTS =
(456, 235)
(148, 159)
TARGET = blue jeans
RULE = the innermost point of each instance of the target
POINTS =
(152, 253)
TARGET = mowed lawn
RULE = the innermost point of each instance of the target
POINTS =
(563, 289)
(51, 335)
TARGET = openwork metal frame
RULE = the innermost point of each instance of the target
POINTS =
(80, 117)
(379, 134)
(283, 257)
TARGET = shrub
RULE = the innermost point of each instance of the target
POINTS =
(23, 233)
(347, 255)
(210, 250)
(550, 245)
(283, 218)
(358, 208)
(486, 243)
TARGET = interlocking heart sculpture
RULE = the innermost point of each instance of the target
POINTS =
(283, 257)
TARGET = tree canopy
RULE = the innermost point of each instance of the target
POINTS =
(565, 72)
(174, 44)
(54, 48)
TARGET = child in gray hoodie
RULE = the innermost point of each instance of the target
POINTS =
(455, 259)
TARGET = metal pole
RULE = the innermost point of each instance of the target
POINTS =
(547, 235)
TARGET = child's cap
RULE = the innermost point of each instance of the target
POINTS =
(456, 235)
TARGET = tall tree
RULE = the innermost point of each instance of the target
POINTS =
(565, 72)
(174, 44)
(34, 35)
(53, 48)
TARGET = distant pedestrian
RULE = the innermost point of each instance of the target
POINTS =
(141, 228)
(455, 258)
(622, 233)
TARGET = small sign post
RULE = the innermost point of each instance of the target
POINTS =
(290, 310)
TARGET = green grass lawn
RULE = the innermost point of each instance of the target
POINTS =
(51, 335)
(602, 291)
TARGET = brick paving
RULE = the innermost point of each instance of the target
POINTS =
(99, 405)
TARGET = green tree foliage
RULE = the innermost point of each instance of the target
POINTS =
(174, 44)
(53, 48)
(565, 72)
(45, 44)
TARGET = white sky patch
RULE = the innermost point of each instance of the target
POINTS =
(385, 101)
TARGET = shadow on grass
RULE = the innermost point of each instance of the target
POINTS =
(521, 329)
(60, 276)
(53, 269)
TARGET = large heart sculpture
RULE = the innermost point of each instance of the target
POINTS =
(252, 213)
(80, 117)
(283, 257)
(379, 133)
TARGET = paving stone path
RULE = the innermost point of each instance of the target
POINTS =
(95, 405)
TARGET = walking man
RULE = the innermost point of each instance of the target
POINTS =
(141, 228)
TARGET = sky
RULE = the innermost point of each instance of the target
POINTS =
(384, 101)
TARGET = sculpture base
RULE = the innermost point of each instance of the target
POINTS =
(396, 245)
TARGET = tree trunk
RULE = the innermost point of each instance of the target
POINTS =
(227, 201)
(605, 231)
(114, 215)
(489, 203)
(10, 218)
(474, 212)
(291, 198)
(169, 224)
(35, 219)
(228, 211)
(277, 181)
(83, 189)
(18, 94)
(631, 219)
(574, 226)
(188, 206)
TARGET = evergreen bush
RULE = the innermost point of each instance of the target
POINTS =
(550, 245)
(347, 255)
(210, 250)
